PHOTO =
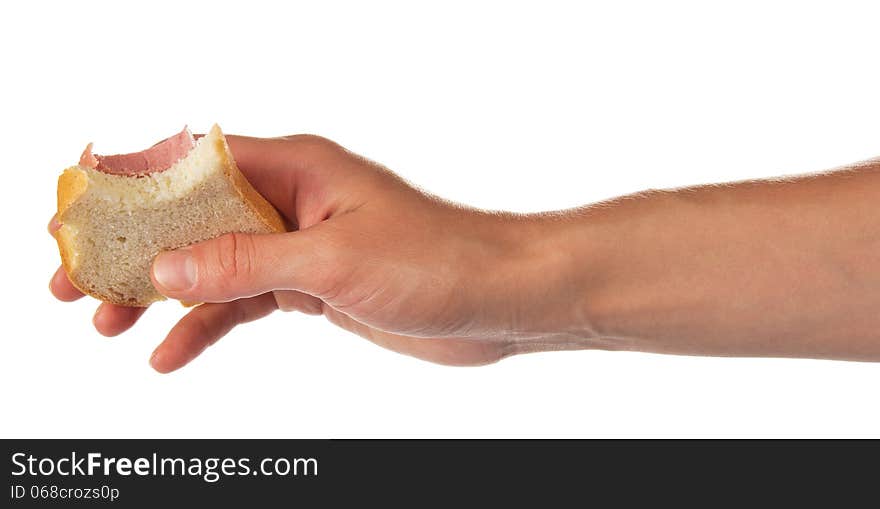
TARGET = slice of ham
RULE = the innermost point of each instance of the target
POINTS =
(159, 157)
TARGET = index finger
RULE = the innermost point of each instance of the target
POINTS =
(280, 168)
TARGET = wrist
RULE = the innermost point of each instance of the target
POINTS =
(541, 280)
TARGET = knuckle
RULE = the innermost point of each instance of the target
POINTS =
(234, 256)
(313, 146)
(310, 140)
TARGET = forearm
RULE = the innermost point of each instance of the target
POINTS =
(775, 268)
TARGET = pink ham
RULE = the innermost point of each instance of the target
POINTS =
(159, 157)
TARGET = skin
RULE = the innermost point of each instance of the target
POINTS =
(784, 267)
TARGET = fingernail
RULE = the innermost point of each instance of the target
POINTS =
(175, 270)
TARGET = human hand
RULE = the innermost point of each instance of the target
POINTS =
(375, 256)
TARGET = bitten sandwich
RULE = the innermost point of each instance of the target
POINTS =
(118, 212)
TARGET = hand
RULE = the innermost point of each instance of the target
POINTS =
(374, 255)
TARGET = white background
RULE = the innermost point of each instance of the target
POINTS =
(508, 105)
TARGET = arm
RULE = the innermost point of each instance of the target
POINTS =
(773, 268)
(785, 268)
(779, 268)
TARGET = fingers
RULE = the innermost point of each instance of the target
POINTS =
(112, 320)
(278, 167)
(62, 288)
(238, 265)
(203, 326)
(260, 156)
(109, 319)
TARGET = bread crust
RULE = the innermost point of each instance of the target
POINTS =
(246, 191)
(73, 183)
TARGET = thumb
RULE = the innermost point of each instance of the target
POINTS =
(238, 265)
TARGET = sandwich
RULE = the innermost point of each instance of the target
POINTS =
(117, 212)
